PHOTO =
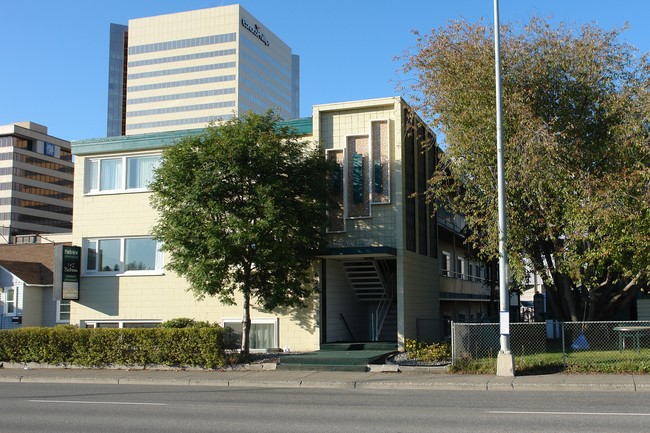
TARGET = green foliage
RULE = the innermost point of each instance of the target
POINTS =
(428, 352)
(185, 322)
(577, 153)
(196, 347)
(605, 362)
(242, 208)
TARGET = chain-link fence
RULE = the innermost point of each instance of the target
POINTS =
(573, 344)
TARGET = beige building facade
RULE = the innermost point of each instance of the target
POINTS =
(378, 280)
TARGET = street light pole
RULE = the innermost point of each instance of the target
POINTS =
(505, 359)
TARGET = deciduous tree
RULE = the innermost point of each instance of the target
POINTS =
(242, 210)
(576, 128)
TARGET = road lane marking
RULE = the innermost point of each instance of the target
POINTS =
(521, 412)
(97, 402)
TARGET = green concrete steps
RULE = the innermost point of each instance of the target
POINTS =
(339, 357)
(358, 346)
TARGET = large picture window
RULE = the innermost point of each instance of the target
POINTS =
(122, 255)
(263, 335)
(120, 174)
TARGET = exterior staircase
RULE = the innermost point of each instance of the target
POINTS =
(373, 281)
(365, 279)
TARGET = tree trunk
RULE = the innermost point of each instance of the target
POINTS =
(565, 287)
(246, 324)
(626, 293)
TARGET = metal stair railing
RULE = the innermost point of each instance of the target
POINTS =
(383, 308)
(386, 302)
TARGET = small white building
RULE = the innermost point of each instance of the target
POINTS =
(26, 285)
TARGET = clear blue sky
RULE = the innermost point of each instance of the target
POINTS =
(54, 64)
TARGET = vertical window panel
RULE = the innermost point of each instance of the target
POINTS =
(380, 152)
(140, 171)
(336, 215)
(358, 176)
(91, 255)
(10, 301)
(110, 177)
(108, 252)
(63, 311)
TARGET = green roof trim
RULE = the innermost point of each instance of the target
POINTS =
(302, 125)
(126, 143)
(158, 140)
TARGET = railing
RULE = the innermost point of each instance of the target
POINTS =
(462, 276)
(383, 308)
(345, 322)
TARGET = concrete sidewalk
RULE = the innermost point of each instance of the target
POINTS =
(328, 379)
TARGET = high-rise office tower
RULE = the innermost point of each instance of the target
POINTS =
(183, 70)
(36, 178)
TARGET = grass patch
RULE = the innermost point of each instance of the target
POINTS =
(605, 361)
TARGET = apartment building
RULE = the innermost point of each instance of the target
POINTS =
(379, 279)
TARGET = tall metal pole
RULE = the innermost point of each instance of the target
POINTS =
(505, 359)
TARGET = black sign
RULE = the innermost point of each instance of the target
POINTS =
(71, 267)
(255, 30)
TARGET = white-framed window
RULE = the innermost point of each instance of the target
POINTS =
(263, 335)
(11, 295)
(445, 264)
(63, 311)
(122, 255)
(461, 268)
(127, 173)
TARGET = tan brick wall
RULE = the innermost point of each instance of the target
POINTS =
(155, 297)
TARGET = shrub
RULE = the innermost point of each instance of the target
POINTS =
(428, 352)
(185, 322)
(197, 347)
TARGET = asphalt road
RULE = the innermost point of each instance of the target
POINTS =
(70, 408)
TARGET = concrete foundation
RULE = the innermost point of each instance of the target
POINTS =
(505, 364)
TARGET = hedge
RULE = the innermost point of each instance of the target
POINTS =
(65, 345)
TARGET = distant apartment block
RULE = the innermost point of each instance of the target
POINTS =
(36, 182)
(184, 70)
